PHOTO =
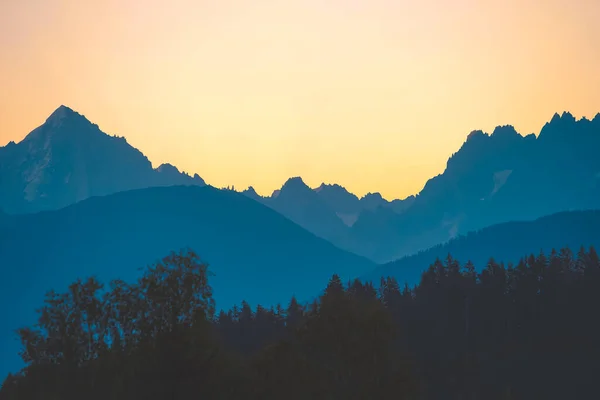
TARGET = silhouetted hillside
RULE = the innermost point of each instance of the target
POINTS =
(506, 242)
(69, 159)
(504, 333)
(247, 245)
(492, 179)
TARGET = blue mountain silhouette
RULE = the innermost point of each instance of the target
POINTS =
(68, 159)
(328, 210)
(492, 179)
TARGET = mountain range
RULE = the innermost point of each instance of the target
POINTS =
(329, 211)
(492, 178)
(331, 197)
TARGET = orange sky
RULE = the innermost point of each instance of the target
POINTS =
(372, 94)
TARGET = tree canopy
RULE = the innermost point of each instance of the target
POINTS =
(521, 331)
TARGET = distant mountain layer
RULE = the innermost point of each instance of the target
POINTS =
(247, 245)
(327, 211)
(301, 203)
(492, 179)
(348, 204)
(506, 242)
(69, 159)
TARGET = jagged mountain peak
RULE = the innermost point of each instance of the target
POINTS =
(61, 113)
(481, 147)
(65, 116)
(373, 196)
(500, 132)
(167, 168)
(565, 116)
(505, 131)
(372, 201)
(251, 192)
(295, 184)
(64, 122)
(504, 176)
(198, 179)
(295, 180)
(333, 187)
(476, 135)
(68, 159)
(560, 127)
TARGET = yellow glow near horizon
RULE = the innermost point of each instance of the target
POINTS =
(371, 94)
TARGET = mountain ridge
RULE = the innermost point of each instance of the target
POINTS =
(494, 178)
(490, 179)
(68, 159)
(483, 184)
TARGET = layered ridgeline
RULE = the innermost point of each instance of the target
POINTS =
(68, 159)
(506, 242)
(492, 179)
(256, 254)
(328, 210)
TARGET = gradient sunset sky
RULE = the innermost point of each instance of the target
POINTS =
(371, 94)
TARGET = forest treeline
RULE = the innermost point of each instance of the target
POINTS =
(525, 331)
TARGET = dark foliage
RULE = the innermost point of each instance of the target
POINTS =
(248, 245)
(525, 331)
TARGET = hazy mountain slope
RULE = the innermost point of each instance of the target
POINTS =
(344, 204)
(328, 210)
(68, 159)
(348, 206)
(247, 245)
(491, 179)
(506, 242)
(305, 207)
